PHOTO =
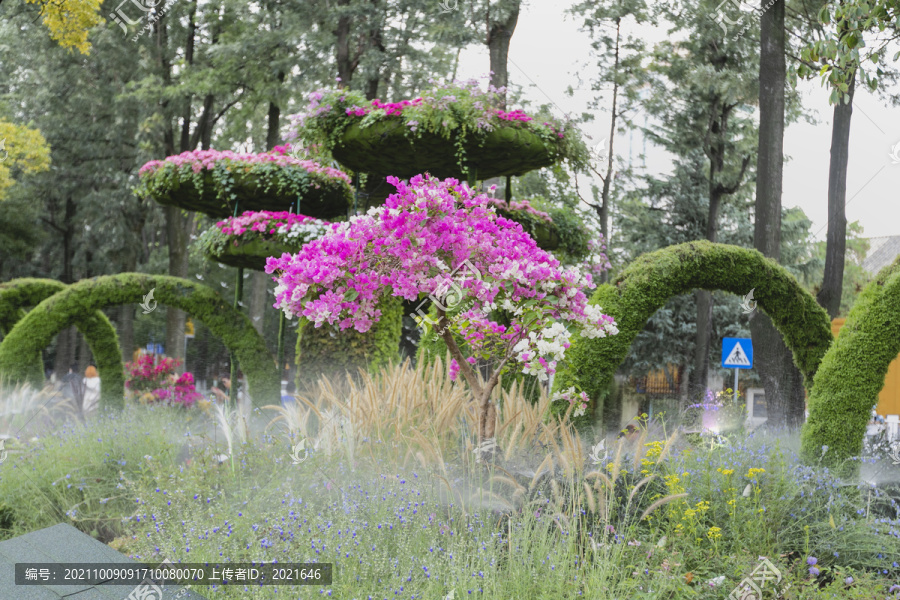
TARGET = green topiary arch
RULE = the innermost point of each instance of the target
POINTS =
(96, 328)
(852, 373)
(37, 329)
(648, 283)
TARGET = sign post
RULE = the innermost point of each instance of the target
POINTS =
(737, 353)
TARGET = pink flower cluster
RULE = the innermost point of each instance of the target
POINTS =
(200, 160)
(516, 115)
(390, 108)
(263, 221)
(440, 238)
(522, 205)
(158, 379)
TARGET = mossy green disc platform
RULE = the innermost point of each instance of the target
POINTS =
(323, 199)
(252, 254)
(384, 148)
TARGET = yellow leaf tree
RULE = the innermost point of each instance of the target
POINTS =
(22, 150)
(70, 20)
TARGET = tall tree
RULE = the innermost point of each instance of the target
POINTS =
(501, 25)
(780, 377)
(621, 72)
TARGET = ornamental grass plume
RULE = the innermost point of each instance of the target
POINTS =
(441, 240)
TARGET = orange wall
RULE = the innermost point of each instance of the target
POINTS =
(889, 398)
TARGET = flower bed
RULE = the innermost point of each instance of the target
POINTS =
(450, 131)
(156, 382)
(246, 241)
(214, 182)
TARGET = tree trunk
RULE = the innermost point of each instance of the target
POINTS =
(342, 47)
(771, 354)
(272, 136)
(376, 40)
(66, 340)
(832, 284)
(603, 209)
(498, 39)
(700, 373)
(177, 235)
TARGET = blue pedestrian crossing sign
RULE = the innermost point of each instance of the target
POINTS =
(737, 353)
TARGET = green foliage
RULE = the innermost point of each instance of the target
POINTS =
(22, 151)
(95, 327)
(69, 21)
(852, 373)
(565, 236)
(648, 283)
(80, 301)
(244, 185)
(330, 352)
(855, 276)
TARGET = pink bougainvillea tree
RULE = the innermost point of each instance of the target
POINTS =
(444, 241)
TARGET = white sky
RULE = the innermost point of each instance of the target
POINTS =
(547, 50)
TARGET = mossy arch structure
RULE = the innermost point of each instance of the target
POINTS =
(99, 333)
(852, 373)
(35, 331)
(648, 283)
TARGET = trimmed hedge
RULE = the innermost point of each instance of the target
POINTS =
(326, 351)
(852, 374)
(648, 283)
(96, 329)
(37, 329)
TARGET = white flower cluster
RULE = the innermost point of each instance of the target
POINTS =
(594, 327)
(308, 230)
(573, 397)
(540, 351)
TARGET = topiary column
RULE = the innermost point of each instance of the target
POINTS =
(326, 351)
(847, 384)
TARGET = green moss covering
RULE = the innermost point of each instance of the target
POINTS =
(648, 283)
(386, 148)
(253, 186)
(252, 254)
(37, 329)
(327, 351)
(97, 330)
(852, 373)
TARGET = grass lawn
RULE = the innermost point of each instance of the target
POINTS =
(386, 488)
